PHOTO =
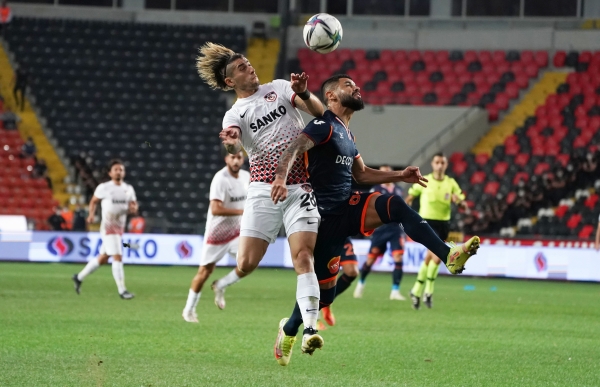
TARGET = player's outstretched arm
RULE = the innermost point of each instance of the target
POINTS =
(305, 100)
(369, 176)
(297, 147)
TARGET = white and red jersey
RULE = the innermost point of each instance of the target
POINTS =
(115, 201)
(269, 122)
(232, 192)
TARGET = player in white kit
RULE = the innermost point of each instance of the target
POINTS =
(228, 191)
(117, 199)
(264, 120)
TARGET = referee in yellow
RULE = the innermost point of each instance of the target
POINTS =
(436, 201)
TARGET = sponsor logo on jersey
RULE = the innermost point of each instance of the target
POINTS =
(306, 187)
(346, 160)
(270, 97)
(184, 250)
(268, 119)
(60, 246)
(334, 265)
(119, 201)
(238, 199)
(540, 262)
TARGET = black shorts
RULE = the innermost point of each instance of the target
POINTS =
(441, 227)
(348, 256)
(333, 232)
(391, 233)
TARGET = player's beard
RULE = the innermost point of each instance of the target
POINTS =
(353, 103)
(234, 170)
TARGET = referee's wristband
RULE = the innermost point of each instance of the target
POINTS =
(304, 95)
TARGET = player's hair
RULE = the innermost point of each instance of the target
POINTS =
(114, 162)
(438, 154)
(330, 83)
(212, 64)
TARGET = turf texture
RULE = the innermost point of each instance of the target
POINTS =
(481, 332)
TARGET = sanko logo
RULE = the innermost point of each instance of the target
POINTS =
(60, 246)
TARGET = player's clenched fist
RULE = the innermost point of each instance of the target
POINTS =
(278, 190)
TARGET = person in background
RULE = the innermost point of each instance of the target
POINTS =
(67, 215)
(28, 149)
(136, 225)
(79, 216)
(56, 221)
(9, 119)
(21, 80)
(40, 170)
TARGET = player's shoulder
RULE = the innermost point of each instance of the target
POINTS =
(278, 83)
(244, 174)
(326, 119)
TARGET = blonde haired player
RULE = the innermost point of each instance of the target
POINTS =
(264, 121)
(228, 191)
(117, 199)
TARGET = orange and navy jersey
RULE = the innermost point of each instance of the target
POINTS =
(329, 162)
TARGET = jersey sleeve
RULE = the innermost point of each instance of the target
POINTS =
(457, 191)
(218, 188)
(100, 191)
(284, 88)
(231, 120)
(319, 131)
(415, 190)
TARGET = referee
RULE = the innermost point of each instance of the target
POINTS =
(436, 201)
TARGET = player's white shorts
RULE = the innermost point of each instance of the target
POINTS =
(263, 219)
(112, 244)
(214, 253)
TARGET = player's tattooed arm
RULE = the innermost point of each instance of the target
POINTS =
(231, 139)
(300, 145)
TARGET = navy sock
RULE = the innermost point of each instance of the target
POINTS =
(327, 296)
(397, 275)
(393, 209)
(291, 327)
(364, 272)
(343, 283)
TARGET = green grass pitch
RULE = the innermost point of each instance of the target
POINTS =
(524, 333)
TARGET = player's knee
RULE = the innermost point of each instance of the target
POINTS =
(206, 271)
(246, 265)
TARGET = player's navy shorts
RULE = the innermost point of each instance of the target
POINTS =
(441, 228)
(391, 233)
(348, 256)
(333, 232)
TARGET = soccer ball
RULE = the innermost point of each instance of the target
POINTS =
(323, 33)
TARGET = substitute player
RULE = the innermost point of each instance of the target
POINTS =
(117, 199)
(228, 191)
(388, 233)
(333, 161)
(436, 201)
(264, 121)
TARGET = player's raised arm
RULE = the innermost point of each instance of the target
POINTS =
(300, 145)
(231, 139)
(305, 100)
(369, 176)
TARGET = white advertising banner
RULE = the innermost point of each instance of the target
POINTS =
(549, 260)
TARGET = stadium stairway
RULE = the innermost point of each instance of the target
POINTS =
(29, 126)
(516, 117)
(263, 53)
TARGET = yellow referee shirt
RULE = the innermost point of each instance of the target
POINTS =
(436, 199)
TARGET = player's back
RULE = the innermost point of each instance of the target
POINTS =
(269, 122)
(330, 161)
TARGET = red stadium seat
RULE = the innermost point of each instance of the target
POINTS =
(591, 201)
(574, 221)
(477, 178)
(500, 168)
(491, 188)
(520, 176)
(586, 231)
(559, 59)
(522, 159)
